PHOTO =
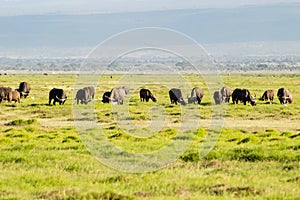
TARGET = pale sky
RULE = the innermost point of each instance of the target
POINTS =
(33, 7)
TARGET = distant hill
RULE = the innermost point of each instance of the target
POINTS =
(244, 24)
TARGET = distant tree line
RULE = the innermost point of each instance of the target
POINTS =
(69, 65)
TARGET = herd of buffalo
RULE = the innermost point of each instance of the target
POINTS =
(224, 95)
(7, 93)
(118, 94)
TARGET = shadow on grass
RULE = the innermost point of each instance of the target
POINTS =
(11, 105)
(20, 122)
(206, 104)
(39, 104)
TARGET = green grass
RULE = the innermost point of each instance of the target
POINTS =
(256, 155)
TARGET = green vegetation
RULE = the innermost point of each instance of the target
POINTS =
(257, 155)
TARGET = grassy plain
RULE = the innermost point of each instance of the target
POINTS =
(257, 155)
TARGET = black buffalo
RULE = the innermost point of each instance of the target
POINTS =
(146, 94)
(217, 97)
(242, 95)
(226, 93)
(176, 96)
(118, 94)
(284, 96)
(106, 96)
(24, 89)
(58, 95)
(5, 94)
(268, 95)
(196, 95)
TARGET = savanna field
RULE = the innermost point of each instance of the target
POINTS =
(256, 155)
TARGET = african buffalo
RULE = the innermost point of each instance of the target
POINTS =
(226, 93)
(118, 94)
(217, 97)
(284, 96)
(126, 89)
(176, 96)
(196, 95)
(58, 95)
(24, 89)
(90, 92)
(268, 95)
(146, 94)
(106, 96)
(15, 96)
(5, 94)
(82, 96)
(290, 99)
(242, 95)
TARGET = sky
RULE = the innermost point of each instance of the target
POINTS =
(58, 24)
(38, 7)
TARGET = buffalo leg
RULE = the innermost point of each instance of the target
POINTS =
(199, 100)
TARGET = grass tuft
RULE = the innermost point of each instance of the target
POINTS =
(296, 179)
(79, 194)
(222, 189)
(295, 136)
(245, 140)
(246, 154)
(114, 179)
(190, 157)
(22, 122)
(285, 133)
